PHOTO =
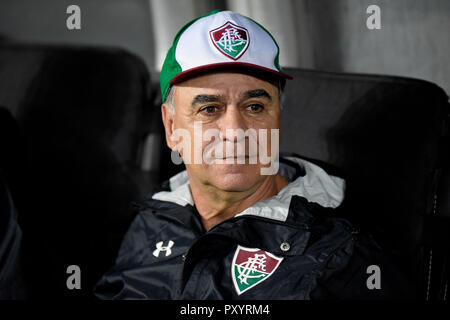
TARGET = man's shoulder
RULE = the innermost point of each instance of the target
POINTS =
(154, 221)
(355, 266)
(350, 262)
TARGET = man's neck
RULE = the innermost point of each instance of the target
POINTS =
(215, 205)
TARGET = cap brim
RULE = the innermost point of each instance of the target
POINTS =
(224, 65)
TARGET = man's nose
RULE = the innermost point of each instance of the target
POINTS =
(230, 123)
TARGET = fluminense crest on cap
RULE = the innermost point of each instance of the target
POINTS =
(219, 39)
(230, 39)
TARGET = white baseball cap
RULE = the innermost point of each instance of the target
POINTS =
(219, 39)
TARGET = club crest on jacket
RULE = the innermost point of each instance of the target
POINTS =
(252, 266)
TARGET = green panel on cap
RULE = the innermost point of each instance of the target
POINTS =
(170, 66)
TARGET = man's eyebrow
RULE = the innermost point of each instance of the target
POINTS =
(205, 98)
(257, 93)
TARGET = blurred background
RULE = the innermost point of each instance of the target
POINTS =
(325, 35)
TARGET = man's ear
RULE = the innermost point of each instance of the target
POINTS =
(167, 118)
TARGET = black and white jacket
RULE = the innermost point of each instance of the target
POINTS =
(291, 246)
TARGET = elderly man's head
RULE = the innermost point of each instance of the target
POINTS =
(221, 86)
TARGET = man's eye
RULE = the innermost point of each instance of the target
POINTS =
(255, 108)
(208, 110)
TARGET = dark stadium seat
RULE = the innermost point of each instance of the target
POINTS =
(12, 275)
(84, 114)
(388, 136)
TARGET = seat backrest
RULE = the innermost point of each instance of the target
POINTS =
(384, 135)
(82, 113)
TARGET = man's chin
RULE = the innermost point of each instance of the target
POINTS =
(235, 178)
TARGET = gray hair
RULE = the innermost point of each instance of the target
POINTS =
(170, 99)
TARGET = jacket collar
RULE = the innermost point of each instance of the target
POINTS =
(315, 185)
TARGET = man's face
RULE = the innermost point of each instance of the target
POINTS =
(215, 110)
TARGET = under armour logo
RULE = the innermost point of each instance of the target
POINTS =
(160, 247)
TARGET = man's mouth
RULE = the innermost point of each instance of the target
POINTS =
(245, 158)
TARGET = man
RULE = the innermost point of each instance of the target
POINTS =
(240, 222)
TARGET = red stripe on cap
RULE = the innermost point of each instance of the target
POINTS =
(193, 71)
